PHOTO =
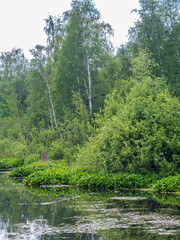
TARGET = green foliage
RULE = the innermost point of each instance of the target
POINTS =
(6, 163)
(62, 150)
(139, 135)
(158, 31)
(167, 198)
(26, 170)
(86, 37)
(4, 146)
(168, 184)
(69, 175)
(57, 173)
(138, 129)
(112, 181)
(37, 101)
(60, 173)
(49, 176)
(15, 149)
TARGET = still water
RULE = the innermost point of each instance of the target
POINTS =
(50, 213)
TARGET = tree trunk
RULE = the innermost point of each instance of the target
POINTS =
(50, 99)
(90, 84)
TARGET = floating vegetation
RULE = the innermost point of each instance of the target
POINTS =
(70, 213)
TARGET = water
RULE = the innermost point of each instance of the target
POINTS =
(50, 213)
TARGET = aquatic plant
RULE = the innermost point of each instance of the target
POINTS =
(12, 162)
(168, 184)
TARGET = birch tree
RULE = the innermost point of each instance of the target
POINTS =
(40, 100)
(85, 45)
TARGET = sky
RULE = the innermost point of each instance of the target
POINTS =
(22, 21)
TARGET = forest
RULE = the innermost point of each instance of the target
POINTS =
(81, 113)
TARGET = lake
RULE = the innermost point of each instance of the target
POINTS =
(54, 212)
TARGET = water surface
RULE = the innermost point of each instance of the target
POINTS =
(50, 213)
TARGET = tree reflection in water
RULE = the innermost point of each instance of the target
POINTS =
(56, 213)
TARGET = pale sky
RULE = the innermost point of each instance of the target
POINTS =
(22, 21)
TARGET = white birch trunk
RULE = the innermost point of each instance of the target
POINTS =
(51, 118)
(50, 112)
(87, 92)
(50, 99)
(90, 84)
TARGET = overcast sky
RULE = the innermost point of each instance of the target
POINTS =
(22, 21)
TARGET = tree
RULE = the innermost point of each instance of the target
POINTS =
(157, 31)
(13, 92)
(136, 133)
(54, 32)
(13, 72)
(40, 99)
(80, 57)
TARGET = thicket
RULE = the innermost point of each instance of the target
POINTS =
(45, 173)
(59, 172)
(76, 101)
(168, 184)
(7, 163)
(139, 132)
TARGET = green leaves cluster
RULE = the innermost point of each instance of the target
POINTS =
(7, 163)
(138, 136)
(168, 184)
(58, 173)
(76, 101)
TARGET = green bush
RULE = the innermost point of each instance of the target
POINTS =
(142, 135)
(26, 170)
(4, 145)
(6, 163)
(171, 199)
(74, 176)
(50, 176)
(168, 184)
(112, 181)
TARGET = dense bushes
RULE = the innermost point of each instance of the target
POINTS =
(49, 176)
(13, 149)
(55, 172)
(138, 133)
(141, 134)
(168, 184)
(112, 181)
(59, 173)
(84, 179)
(6, 163)
(26, 170)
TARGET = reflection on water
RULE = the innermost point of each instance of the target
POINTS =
(68, 213)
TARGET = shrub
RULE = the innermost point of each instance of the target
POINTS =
(28, 169)
(143, 135)
(49, 176)
(74, 176)
(6, 163)
(168, 184)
